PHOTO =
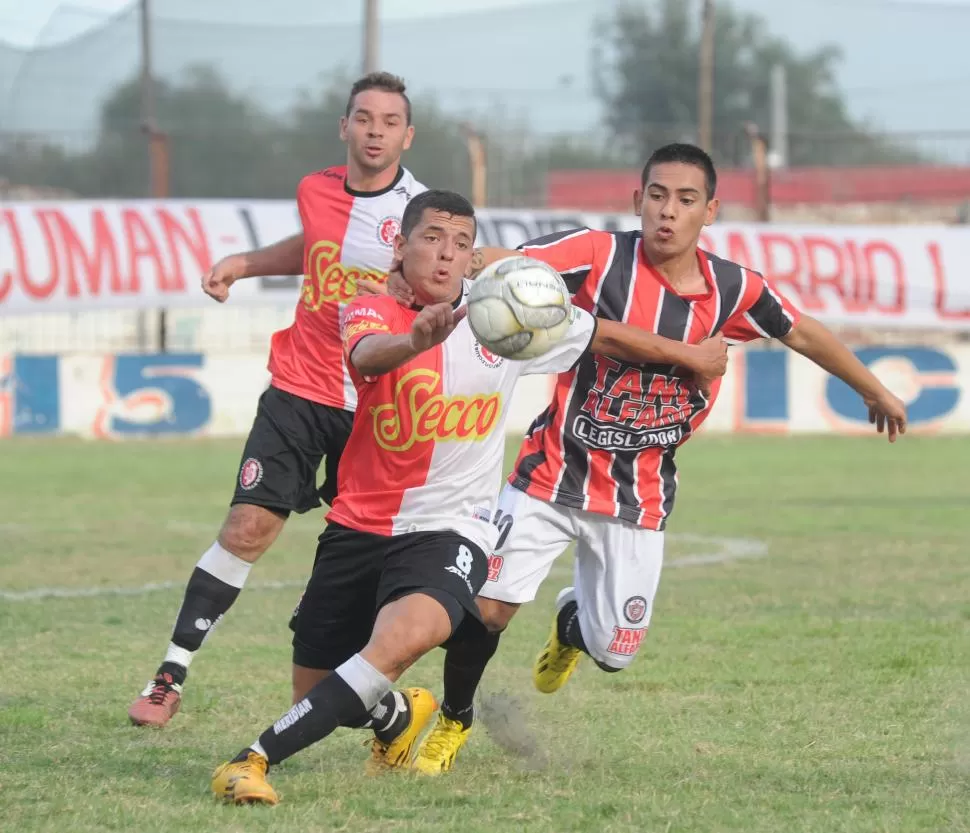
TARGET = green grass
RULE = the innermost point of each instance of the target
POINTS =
(823, 687)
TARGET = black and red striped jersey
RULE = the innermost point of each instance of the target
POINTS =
(606, 443)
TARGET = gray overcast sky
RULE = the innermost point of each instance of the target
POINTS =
(23, 22)
(905, 67)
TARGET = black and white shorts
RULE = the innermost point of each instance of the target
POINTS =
(357, 573)
(289, 438)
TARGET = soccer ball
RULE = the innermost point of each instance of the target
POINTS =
(519, 307)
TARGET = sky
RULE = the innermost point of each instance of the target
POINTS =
(905, 66)
(23, 22)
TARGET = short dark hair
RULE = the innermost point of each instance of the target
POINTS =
(448, 202)
(384, 81)
(688, 155)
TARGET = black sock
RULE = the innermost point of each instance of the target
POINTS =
(330, 703)
(567, 625)
(380, 716)
(465, 662)
(206, 601)
(391, 717)
(177, 672)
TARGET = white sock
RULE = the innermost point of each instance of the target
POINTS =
(180, 656)
(369, 684)
(219, 562)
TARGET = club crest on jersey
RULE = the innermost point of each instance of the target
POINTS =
(634, 609)
(487, 357)
(250, 474)
(387, 230)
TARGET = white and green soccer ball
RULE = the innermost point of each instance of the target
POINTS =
(519, 307)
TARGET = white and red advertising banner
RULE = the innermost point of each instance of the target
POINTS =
(84, 255)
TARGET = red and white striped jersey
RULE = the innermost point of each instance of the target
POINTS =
(606, 443)
(428, 440)
(348, 236)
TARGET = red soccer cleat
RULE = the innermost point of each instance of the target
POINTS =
(158, 702)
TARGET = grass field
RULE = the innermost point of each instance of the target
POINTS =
(822, 686)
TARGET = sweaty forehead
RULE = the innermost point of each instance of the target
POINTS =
(380, 102)
(677, 175)
(454, 223)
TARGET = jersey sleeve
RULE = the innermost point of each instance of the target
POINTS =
(567, 351)
(363, 317)
(571, 253)
(761, 312)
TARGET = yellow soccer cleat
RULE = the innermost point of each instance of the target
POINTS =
(438, 750)
(244, 782)
(556, 663)
(397, 753)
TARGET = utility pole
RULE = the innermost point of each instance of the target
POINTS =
(705, 87)
(779, 116)
(371, 36)
(762, 172)
(157, 151)
(478, 160)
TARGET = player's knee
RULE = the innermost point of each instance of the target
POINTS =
(249, 531)
(395, 650)
(607, 667)
(496, 615)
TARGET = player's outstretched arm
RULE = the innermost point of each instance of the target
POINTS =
(282, 258)
(631, 344)
(815, 341)
(377, 354)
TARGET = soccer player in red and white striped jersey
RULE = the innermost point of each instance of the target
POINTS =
(597, 466)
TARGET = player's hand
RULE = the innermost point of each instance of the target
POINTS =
(367, 287)
(216, 282)
(710, 358)
(887, 412)
(709, 363)
(433, 325)
(397, 287)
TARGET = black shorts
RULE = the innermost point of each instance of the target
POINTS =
(289, 438)
(357, 573)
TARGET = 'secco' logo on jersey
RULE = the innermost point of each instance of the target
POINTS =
(419, 414)
(329, 281)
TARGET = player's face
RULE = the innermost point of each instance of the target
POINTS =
(436, 255)
(674, 208)
(377, 130)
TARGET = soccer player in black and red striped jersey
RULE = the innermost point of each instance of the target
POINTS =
(597, 466)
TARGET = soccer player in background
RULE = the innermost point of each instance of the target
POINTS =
(405, 549)
(350, 216)
(597, 466)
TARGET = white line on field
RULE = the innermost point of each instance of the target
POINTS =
(142, 590)
(718, 551)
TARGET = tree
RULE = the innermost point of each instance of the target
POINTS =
(221, 144)
(648, 82)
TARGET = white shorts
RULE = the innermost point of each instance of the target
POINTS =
(616, 571)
